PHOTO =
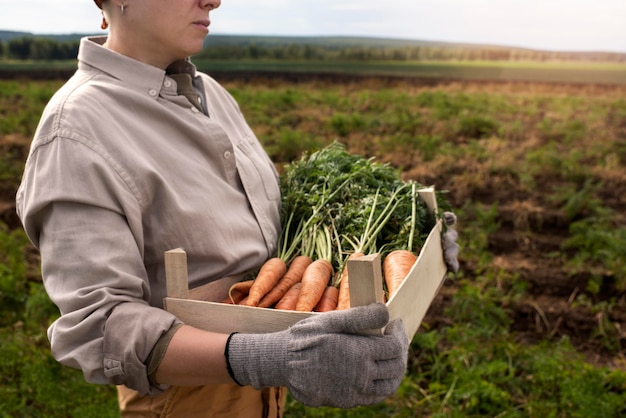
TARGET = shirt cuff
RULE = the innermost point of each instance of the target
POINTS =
(131, 332)
(158, 352)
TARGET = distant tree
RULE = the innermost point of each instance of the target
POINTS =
(41, 49)
(19, 48)
(309, 52)
(66, 50)
(415, 53)
(254, 51)
(278, 53)
(294, 51)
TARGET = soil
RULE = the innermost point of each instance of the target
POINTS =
(547, 311)
(550, 308)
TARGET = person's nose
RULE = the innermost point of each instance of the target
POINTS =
(211, 4)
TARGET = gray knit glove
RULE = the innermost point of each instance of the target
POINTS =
(449, 244)
(321, 359)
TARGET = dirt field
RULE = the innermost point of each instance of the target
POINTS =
(528, 230)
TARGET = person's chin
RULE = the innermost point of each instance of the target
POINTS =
(193, 48)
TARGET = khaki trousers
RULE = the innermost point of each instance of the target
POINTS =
(213, 401)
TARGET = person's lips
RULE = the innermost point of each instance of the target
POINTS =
(202, 24)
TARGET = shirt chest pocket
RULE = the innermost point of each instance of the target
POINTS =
(256, 170)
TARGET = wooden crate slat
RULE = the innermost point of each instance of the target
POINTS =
(176, 276)
(224, 318)
(419, 288)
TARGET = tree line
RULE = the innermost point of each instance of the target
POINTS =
(41, 48)
(406, 53)
(38, 48)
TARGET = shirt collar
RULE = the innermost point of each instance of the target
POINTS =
(182, 67)
(142, 76)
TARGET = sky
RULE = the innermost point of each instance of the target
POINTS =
(563, 25)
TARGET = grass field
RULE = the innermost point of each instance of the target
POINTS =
(505, 71)
(534, 324)
(561, 72)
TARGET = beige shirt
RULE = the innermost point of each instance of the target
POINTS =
(120, 170)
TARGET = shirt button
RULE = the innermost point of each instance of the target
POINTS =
(227, 155)
(167, 83)
(152, 92)
(194, 109)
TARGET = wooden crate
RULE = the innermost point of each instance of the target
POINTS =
(199, 307)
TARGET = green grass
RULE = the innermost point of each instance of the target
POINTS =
(32, 383)
(21, 105)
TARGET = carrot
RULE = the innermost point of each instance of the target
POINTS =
(238, 291)
(343, 301)
(271, 272)
(293, 276)
(328, 302)
(290, 298)
(396, 266)
(314, 281)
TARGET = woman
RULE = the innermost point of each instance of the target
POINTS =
(137, 154)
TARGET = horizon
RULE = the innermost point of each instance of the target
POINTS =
(251, 35)
(559, 25)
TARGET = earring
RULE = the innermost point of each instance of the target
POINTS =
(122, 8)
(104, 24)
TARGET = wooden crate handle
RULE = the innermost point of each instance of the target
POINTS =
(176, 277)
(429, 197)
(366, 280)
(366, 283)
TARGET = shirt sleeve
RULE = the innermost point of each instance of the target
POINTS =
(79, 210)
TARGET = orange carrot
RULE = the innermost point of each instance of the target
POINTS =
(344, 285)
(314, 282)
(290, 298)
(328, 302)
(396, 266)
(271, 272)
(293, 276)
(238, 291)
